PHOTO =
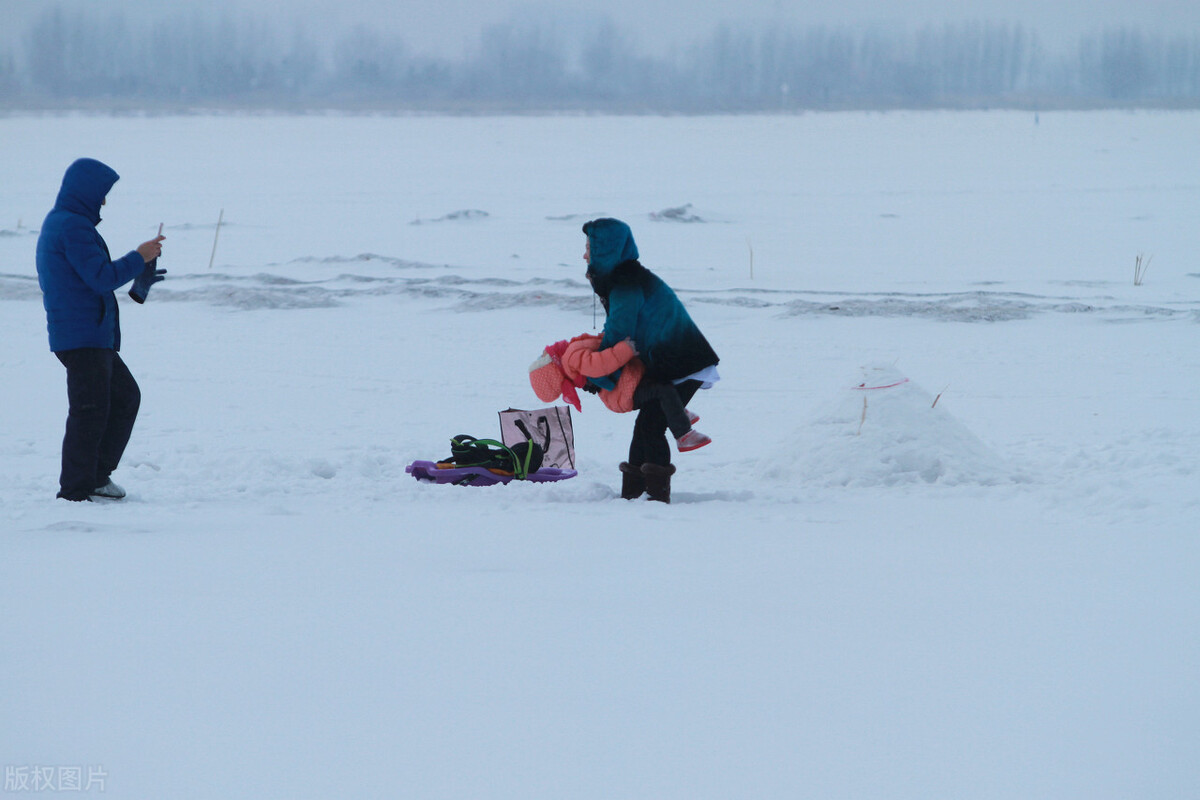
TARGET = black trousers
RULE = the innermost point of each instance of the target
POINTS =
(104, 400)
(661, 406)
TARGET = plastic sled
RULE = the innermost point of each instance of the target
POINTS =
(480, 476)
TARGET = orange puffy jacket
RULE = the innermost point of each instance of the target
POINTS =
(583, 357)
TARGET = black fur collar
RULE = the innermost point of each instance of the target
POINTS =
(623, 274)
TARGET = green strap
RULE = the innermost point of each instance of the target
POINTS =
(523, 472)
(520, 468)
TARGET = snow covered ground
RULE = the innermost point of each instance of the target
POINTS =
(980, 582)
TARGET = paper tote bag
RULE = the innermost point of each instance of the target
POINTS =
(550, 428)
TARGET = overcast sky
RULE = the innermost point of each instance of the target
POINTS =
(452, 26)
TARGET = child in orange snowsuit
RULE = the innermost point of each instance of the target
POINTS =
(564, 367)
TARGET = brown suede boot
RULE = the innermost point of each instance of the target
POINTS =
(633, 483)
(658, 481)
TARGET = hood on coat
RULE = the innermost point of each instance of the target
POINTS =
(611, 243)
(84, 186)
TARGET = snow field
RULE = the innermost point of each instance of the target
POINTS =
(990, 597)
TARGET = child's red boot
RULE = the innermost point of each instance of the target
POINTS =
(692, 440)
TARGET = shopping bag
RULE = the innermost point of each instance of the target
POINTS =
(550, 428)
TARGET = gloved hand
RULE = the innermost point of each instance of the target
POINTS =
(142, 283)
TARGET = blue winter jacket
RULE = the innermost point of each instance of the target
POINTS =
(642, 307)
(77, 275)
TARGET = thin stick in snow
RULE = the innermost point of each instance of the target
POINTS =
(216, 235)
(1139, 269)
(939, 395)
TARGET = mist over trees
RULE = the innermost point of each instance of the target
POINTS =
(104, 60)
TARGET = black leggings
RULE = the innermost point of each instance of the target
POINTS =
(660, 406)
(104, 400)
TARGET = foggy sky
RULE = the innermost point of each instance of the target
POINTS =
(451, 27)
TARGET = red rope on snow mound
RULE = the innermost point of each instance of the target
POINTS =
(862, 387)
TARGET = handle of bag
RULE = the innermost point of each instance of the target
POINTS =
(543, 424)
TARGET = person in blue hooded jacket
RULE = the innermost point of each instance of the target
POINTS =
(641, 307)
(78, 278)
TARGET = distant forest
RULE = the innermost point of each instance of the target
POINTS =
(103, 60)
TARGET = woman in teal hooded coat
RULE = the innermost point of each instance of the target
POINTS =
(640, 306)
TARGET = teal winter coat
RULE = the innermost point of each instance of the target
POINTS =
(77, 275)
(642, 307)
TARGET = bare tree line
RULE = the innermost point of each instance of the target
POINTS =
(99, 60)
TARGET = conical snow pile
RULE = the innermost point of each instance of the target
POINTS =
(884, 430)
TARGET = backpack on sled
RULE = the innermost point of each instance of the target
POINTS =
(516, 461)
(486, 462)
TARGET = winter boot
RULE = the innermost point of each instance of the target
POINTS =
(633, 483)
(658, 481)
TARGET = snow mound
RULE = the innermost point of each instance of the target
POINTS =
(882, 429)
(681, 213)
(464, 215)
(576, 217)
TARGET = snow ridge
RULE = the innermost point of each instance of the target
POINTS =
(281, 290)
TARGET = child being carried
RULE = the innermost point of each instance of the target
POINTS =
(566, 366)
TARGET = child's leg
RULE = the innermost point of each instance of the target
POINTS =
(668, 399)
